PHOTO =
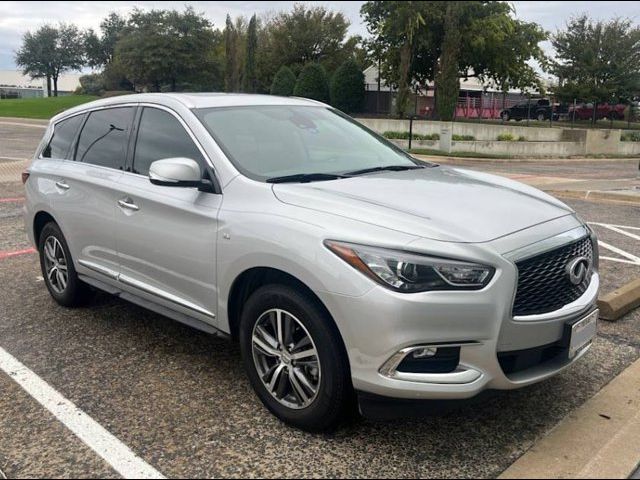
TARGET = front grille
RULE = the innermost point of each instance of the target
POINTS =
(543, 283)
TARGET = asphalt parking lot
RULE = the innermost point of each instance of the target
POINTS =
(179, 398)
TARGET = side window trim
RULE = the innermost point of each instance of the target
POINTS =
(46, 142)
(74, 144)
(133, 139)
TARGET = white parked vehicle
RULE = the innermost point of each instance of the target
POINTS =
(343, 266)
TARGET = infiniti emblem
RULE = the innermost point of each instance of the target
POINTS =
(578, 269)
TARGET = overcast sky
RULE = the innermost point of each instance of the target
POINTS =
(18, 17)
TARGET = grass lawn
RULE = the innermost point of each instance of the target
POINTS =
(41, 107)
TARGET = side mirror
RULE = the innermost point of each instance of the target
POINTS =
(175, 172)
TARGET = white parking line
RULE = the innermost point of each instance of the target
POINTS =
(112, 450)
(629, 258)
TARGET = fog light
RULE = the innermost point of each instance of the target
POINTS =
(424, 352)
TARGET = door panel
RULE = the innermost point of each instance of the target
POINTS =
(86, 186)
(166, 244)
(166, 235)
(86, 211)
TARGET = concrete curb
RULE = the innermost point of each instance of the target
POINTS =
(598, 195)
(615, 304)
(599, 440)
(480, 160)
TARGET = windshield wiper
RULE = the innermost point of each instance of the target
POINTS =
(304, 177)
(391, 168)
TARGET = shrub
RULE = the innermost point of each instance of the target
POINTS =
(462, 138)
(284, 82)
(630, 137)
(347, 87)
(405, 136)
(92, 84)
(505, 137)
(522, 138)
(313, 83)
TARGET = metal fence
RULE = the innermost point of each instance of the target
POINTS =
(524, 110)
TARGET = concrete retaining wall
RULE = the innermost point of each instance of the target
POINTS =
(630, 148)
(511, 149)
(540, 142)
(479, 131)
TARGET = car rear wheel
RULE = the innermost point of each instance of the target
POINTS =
(294, 358)
(541, 117)
(505, 116)
(58, 271)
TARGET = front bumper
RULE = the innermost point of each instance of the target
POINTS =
(381, 325)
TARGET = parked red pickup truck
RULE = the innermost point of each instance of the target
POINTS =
(603, 110)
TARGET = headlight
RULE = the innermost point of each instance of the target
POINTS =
(412, 272)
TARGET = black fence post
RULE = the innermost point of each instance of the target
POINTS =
(593, 118)
(573, 114)
(410, 130)
(528, 109)
(551, 113)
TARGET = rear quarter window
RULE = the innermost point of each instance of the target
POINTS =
(64, 132)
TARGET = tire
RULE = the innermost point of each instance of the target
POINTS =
(69, 293)
(541, 116)
(334, 392)
(505, 116)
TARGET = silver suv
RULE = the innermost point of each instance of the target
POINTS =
(346, 269)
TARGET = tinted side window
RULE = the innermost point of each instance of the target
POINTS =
(63, 134)
(160, 135)
(104, 137)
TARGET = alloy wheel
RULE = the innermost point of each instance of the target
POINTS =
(286, 358)
(55, 263)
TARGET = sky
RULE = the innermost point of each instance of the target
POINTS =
(17, 17)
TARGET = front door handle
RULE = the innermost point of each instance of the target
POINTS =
(128, 204)
(63, 185)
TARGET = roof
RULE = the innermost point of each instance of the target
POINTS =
(194, 100)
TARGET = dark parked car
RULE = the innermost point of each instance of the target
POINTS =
(536, 108)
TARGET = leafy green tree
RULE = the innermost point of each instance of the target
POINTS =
(597, 61)
(347, 87)
(100, 50)
(49, 52)
(284, 82)
(309, 34)
(249, 80)
(467, 39)
(313, 83)
(231, 80)
(167, 49)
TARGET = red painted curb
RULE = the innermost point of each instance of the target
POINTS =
(12, 200)
(4, 255)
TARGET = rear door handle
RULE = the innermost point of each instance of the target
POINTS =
(128, 204)
(63, 185)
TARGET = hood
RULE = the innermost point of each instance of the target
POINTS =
(440, 203)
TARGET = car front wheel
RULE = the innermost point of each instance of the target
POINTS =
(294, 358)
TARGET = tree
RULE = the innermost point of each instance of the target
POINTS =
(597, 61)
(471, 38)
(49, 52)
(231, 82)
(347, 87)
(309, 34)
(100, 50)
(313, 83)
(167, 49)
(249, 79)
(284, 82)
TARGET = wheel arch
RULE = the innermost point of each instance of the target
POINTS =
(40, 219)
(253, 278)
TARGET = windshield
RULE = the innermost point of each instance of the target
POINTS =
(270, 141)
